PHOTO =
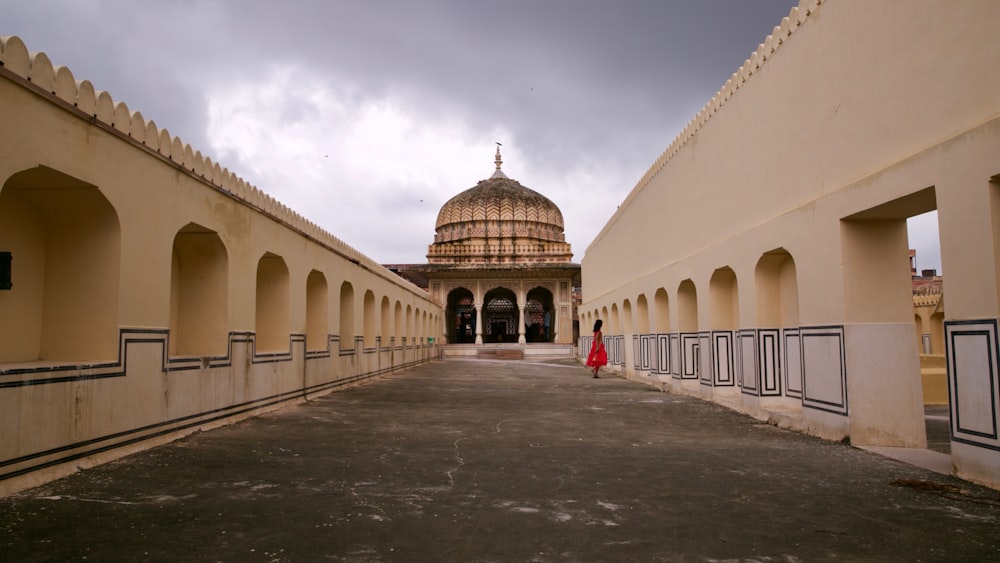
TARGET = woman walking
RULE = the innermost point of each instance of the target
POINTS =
(598, 355)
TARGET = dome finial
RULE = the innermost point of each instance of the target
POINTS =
(498, 173)
(498, 160)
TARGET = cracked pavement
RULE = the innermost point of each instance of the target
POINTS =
(502, 461)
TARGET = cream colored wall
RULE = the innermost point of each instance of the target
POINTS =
(113, 223)
(850, 118)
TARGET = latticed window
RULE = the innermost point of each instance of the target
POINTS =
(535, 312)
(501, 316)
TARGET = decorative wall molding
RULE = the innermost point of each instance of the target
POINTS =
(723, 374)
(824, 368)
(749, 367)
(972, 350)
(706, 370)
(690, 355)
(792, 361)
(768, 361)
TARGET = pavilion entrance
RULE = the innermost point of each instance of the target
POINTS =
(500, 316)
(539, 316)
(461, 315)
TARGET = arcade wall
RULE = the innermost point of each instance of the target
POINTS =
(147, 292)
(762, 261)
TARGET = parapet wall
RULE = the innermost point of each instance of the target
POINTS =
(147, 292)
(762, 260)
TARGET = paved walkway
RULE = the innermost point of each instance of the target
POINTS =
(502, 461)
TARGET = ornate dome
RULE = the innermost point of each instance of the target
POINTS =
(500, 199)
(499, 221)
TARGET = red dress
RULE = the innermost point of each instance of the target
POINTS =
(598, 356)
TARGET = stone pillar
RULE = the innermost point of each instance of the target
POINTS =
(520, 325)
(479, 323)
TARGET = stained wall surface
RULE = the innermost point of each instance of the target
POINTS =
(153, 293)
(768, 244)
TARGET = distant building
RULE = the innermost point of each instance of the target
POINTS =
(501, 266)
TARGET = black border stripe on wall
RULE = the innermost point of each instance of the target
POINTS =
(828, 331)
(792, 390)
(986, 330)
(748, 382)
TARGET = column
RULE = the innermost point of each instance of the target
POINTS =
(520, 326)
(479, 323)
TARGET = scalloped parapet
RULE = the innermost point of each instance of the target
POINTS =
(99, 106)
(796, 17)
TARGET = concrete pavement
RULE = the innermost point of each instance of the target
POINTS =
(502, 461)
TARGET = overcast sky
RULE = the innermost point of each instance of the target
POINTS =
(366, 116)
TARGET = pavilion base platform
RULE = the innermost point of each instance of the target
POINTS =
(507, 351)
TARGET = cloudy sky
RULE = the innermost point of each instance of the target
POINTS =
(365, 116)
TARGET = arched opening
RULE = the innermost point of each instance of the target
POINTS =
(779, 366)
(346, 316)
(198, 293)
(628, 332)
(777, 295)
(418, 327)
(614, 332)
(687, 322)
(370, 320)
(687, 306)
(539, 316)
(409, 335)
(317, 311)
(462, 316)
(661, 304)
(421, 325)
(397, 328)
(65, 243)
(272, 322)
(641, 315)
(724, 306)
(386, 324)
(500, 316)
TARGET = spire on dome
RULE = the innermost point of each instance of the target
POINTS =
(498, 173)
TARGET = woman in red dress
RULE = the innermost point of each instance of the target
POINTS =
(598, 355)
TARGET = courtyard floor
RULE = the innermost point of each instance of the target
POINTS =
(502, 461)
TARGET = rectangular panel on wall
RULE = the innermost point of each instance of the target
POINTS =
(690, 355)
(769, 361)
(971, 351)
(722, 358)
(737, 358)
(661, 344)
(647, 343)
(675, 355)
(824, 368)
(747, 339)
(705, 357)
(792, 355)
(636, 353)
(619, 349)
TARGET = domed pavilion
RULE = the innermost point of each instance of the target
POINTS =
(501, 265)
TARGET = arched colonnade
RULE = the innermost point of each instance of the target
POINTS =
(500, 312)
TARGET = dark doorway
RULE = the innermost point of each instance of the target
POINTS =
(500, 316)
(461, 317)
(539, 316)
